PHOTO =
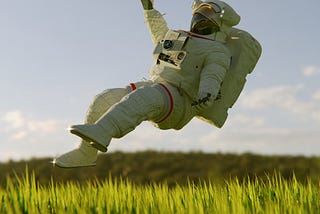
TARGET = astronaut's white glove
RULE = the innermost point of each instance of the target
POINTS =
(203, 102)
(147, 4)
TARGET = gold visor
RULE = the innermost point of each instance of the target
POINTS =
(208, 11)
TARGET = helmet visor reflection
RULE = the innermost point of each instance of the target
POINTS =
(207, 11)
(202, 25)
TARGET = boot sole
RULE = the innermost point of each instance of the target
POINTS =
(67, 167)
(96, 145)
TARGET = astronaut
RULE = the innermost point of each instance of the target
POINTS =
(186, 81)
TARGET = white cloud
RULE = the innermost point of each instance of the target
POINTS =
(24, 137)
(46, 126)
(19, 127)
(264, 97)
(13, 120)
(286, 98)
(264, 140)
(316, 95)
(20, 135)
(245, 120)
(311, 70)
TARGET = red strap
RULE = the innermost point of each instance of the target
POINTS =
(133, 86)
(171, 103)
(196, 35)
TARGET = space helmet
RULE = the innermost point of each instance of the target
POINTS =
(212, 16)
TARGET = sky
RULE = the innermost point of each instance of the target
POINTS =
(55, 56)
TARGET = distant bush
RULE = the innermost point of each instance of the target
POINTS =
(170, 167)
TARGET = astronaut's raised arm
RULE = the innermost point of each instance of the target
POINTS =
(156, 23)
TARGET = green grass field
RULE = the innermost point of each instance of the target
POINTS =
(25, 195)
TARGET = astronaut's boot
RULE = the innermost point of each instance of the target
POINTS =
(147, 103)
(85, 154)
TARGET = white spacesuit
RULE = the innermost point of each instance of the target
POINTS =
(199, 73)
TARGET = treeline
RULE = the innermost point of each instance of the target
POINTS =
(170, 167)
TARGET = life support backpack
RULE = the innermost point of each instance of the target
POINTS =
(245, 51)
